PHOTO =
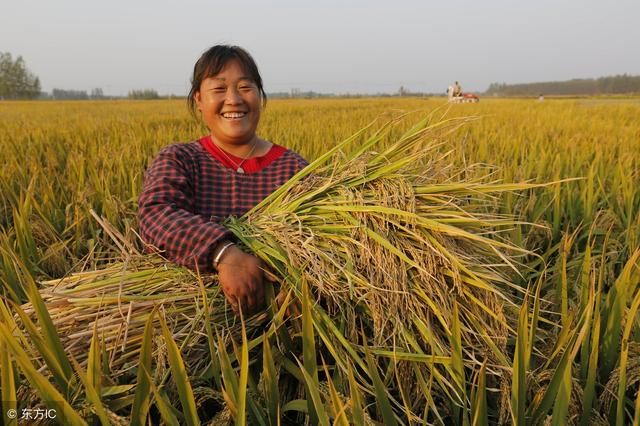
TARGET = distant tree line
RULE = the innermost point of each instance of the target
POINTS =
(70, 94)
(145, 94)
(618, 84)
(16, 81)
(97, 93)
(310, 94)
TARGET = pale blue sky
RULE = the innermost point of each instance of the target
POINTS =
(327, 46)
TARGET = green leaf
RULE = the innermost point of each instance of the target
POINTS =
(585, 287)
(115, 390)
(614, 308)
(339, 409)
(94, 368)
(7, 384)
(624, 356)
(382, 400)
(140, 407)
(299, 405)
(356, 399)
(215, 363)
(241, 416)
(46, 391)
(309, 353)
(457, 367)
(180, 377)
(558, 378)
(229, 377)
(479, 412)
(162, 402)
(92, 394)
(519, 380)
(316, 400)
(636, 415)
(561, 402)
(589, 393)
(270, 378)
(49, 333)
(46, 351)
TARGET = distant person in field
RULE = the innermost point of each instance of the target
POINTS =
(457, 89)
(450, 92)
(191, 187)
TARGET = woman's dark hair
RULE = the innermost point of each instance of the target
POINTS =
(213, 61)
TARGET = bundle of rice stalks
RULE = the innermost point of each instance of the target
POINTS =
(400, 250)
(119, 299)
(394, 253)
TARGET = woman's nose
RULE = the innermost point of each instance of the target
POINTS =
(233, 96)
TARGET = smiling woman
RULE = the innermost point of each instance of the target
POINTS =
(191, 187)
(230, 105)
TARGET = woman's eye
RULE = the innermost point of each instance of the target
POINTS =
(219, 89)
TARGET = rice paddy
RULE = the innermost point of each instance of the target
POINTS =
(480, 266)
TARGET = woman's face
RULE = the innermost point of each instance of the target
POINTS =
(230, 105)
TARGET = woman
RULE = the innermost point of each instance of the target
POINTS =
(190, 187)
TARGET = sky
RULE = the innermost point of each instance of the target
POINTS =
(349, 46)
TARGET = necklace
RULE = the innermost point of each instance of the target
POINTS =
(238, 166)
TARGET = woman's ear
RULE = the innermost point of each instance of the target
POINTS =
(198, 100)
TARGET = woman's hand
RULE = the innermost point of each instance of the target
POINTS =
(242, 280)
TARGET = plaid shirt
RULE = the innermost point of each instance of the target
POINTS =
(187, 192)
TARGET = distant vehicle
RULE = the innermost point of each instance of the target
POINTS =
(464, 98)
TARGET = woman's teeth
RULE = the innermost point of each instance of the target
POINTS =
(234, 114)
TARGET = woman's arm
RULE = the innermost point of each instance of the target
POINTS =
(166, 212)
(167, 221)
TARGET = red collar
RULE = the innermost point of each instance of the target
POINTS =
(250, 165)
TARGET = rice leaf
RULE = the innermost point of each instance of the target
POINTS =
(479, 411)
(94, 368)
(162, 402)
(241, 415)
(356, 400)
(624, 356)
(215, 363)
(92, 394)
(382, 400)
(299, 405)
(589, 393)
(270, 378)
(615, 305)
(559, 376)
(561, 402)
(457, 367)
(520, 361)
(140, 407)
(309, 356)
(7, 384)
(316, 404)
(180, 377)
(338, 409)
(46, 391)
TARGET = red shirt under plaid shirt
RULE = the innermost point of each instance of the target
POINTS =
(190, 187)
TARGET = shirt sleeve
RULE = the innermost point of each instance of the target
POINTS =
(301, 162)
(166, 215)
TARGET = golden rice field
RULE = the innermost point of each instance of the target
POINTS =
(554, 341)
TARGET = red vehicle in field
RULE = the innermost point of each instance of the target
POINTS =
(464, 98)
(456, 96)
(470, 97)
